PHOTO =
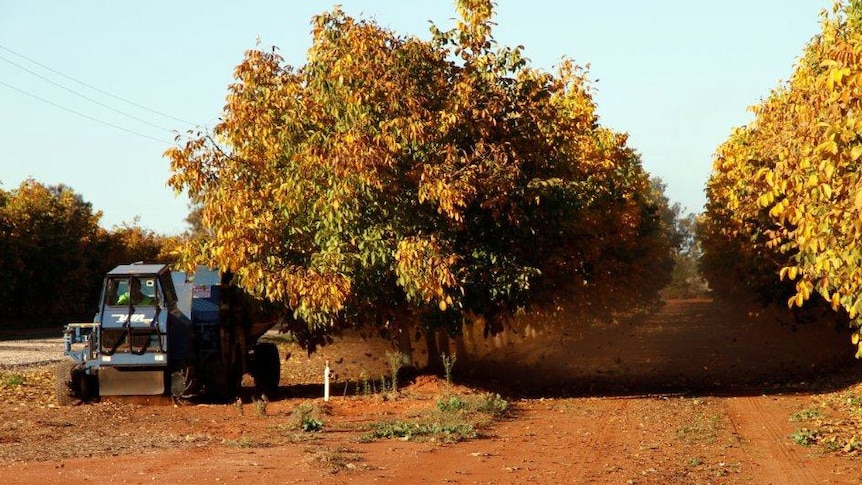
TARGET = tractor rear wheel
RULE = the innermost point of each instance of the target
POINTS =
(267, 368)
(62, 381)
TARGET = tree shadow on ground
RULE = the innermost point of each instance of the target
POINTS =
(684, 347)
(698, 346)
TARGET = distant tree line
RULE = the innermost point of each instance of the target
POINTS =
(54, 254)
(686, 280)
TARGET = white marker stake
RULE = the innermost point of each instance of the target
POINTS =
(326, 382)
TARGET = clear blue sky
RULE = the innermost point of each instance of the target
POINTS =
(677, 75)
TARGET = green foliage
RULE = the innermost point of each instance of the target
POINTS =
(307, 418)
(492, 405)
(805, 436)
(807, 415)
(311, 425)
(385, 387)
(46, 252)
(701, 430)
(832, 422)
(701, 425)
(454, 403)
(130, 242)
(454, 418)
(13, 380)
(445, 432)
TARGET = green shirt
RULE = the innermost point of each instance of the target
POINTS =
(143, 300)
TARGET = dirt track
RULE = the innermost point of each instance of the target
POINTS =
(631, 416)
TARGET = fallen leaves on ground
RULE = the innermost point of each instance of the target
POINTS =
(832, 422)
(30, 387)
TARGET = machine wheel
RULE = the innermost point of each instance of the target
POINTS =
(72, 385)
(267, 368)
(62, 379)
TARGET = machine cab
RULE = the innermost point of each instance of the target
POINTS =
(136, 300)
(138, 286)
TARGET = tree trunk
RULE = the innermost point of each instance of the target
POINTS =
(405, 346)
(435, 360)
(460, 344)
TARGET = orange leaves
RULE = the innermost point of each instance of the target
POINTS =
(425, 271)
(318, 293)
(450, 197)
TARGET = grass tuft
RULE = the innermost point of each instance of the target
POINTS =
(452, 419)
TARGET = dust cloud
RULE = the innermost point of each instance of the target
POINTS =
(684, 345)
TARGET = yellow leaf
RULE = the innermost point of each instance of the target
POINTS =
(856, 152)
(854, 339)
(775, 211)
(835, 76)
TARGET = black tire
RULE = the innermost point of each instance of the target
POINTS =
(62, 380)
(267, 368)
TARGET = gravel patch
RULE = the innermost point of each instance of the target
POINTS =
(31, 353)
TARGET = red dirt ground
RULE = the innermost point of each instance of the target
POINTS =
(696, 393)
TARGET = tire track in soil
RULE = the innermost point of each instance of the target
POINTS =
(534, 448)
(590, 468)
(766, 444)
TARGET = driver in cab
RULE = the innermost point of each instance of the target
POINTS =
(135, 296)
